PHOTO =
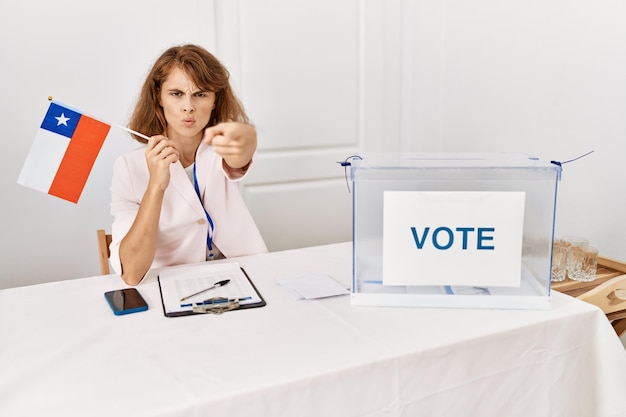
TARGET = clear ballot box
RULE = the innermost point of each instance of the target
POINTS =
(452, 230)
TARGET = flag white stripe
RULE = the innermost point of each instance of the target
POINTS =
(43, 160)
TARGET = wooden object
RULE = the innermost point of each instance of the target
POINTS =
(104, 240)
(607, 291)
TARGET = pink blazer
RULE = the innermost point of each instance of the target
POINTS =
(183, 225)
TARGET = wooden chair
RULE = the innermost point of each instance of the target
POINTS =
(104, 240)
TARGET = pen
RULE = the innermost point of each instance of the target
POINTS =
(212, 301)
(217, 284)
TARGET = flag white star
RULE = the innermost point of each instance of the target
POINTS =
(62, 120)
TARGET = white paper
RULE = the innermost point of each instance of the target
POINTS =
(461, 254)
(308, 286)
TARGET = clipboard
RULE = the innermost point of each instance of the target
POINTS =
(192, 290)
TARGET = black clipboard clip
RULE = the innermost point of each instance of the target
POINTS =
(215, 305)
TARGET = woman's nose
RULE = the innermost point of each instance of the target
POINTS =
(187, 106)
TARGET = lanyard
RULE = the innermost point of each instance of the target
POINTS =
(209, 237)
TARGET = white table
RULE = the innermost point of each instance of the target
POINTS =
(63, 353)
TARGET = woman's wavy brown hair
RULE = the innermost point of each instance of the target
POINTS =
(206, 72)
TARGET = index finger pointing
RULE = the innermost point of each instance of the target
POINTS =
(209, 134)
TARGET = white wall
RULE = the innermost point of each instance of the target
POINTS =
(313, 77)
(91, 58)
(300, 69)
(539, 77)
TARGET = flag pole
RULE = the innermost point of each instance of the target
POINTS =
(141, 135)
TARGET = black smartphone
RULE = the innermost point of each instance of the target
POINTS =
(125, 301)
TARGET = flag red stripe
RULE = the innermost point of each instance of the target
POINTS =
(79, 158)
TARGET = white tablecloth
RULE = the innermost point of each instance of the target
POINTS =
(63, 353)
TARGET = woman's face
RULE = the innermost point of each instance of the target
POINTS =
(187, 109)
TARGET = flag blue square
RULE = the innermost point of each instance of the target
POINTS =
(60, 120)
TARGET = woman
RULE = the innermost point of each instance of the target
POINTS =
(177, 200)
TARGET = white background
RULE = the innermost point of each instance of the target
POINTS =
(321, 80)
